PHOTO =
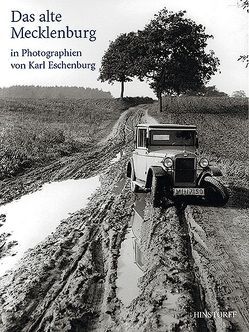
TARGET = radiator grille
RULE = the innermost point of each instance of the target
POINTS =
(185, 170)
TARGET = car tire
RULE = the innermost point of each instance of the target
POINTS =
(134, 186)
(156, 191)
(215, 192)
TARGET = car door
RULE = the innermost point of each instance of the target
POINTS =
(140, 155)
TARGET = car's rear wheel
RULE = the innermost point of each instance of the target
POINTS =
(134, 186)
(215, 192)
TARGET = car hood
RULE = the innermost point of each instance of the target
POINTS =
(170, 153)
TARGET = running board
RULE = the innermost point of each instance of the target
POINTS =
(141, 184)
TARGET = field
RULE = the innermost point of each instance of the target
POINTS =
(195, 257)
(36, 132)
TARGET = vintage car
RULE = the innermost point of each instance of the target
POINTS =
(166, 162)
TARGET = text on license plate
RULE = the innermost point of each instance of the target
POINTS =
(189, 191)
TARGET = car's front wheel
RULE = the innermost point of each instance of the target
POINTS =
(215, 192)
(156, 190)
(134, 186)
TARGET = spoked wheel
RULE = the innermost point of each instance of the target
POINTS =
(134, 186)
(215, 192)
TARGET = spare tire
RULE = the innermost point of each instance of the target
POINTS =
(215, 192)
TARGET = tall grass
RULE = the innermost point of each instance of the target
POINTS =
(35, 132)
(190, 104)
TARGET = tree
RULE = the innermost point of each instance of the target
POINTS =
(171, 54)
(245, 5)
(244, 58)
(207, 91)
(118, 63)
(239, 94)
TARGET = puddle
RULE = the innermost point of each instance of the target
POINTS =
(128, 271)
(131, 260)
(34, 216)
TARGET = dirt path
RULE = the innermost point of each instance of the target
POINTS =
(221, 251)
(219, 244)
(148, 119)
(69, 281)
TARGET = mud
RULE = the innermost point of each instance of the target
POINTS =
(69, 281)
(220, 248)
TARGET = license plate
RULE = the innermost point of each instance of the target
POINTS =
(189, 191)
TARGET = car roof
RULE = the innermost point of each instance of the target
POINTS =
(165, 125)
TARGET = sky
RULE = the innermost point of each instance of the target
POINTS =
(222, 18)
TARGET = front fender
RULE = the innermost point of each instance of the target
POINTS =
(209, 171)
(157, 171)
(215, 171)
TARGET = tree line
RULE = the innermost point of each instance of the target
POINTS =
(26, 91)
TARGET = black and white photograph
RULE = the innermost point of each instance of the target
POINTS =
(124, 166)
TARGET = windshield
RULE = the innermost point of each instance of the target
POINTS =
(172, 137)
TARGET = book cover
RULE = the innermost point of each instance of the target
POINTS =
(124, 165)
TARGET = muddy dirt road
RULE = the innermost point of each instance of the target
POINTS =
(78, 279)
(221, 252)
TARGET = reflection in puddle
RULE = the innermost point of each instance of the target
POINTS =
(140, 205)
(128, 272)
(139, 258)
(34, 216)
(130, 262)
(137, 223)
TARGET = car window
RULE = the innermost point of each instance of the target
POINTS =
(172, 137)
(141, 138)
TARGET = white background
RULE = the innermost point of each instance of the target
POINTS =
(222, 18)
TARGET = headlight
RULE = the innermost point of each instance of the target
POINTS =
(203, 162)
(168, 162)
